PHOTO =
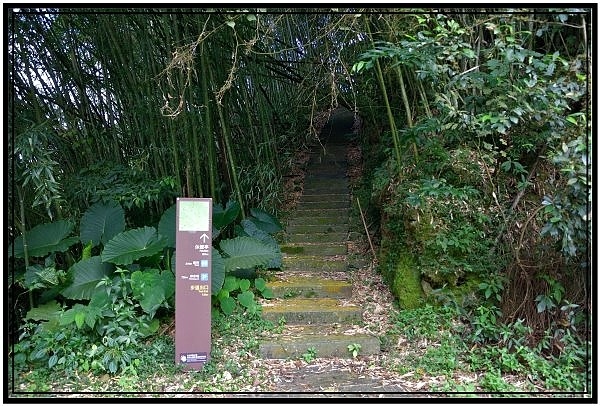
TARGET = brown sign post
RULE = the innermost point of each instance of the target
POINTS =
(193, 243)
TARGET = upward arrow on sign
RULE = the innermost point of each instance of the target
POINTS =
(204, 237)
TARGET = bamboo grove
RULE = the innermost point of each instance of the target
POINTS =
(144, 105)
(184, 103)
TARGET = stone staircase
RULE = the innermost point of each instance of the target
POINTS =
(313, 294)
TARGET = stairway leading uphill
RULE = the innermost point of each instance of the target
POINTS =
(313, 295)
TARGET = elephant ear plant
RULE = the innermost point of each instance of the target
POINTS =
(106, 301)
(93, 314)
(236, 259)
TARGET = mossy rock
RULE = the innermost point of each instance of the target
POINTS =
(406, 285)
(464, 295)
(465, 167)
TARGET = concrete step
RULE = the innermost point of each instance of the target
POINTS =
(326, 170)
(302, 228)
(324, 249)
(317, 198)
(320, 183)
(307, 263)
(349, 382)
(336, 165)
(324, 344)
(322, 212)
(336, 153)
(311, 311)
(322, 175)
(328, 161)
(320, 216)
(328, 223)
(291, 286)
(323, 190)
(317, 238)
(325, 203)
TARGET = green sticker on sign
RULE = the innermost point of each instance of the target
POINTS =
(194, 215)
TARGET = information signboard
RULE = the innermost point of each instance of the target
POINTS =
(193, 243)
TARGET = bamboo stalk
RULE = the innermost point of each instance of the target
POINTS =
(207, 127)
(388, 109)
(366, 229)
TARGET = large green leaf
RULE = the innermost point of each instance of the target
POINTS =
(86, 274)
(131, 245)
(166, 225)
(147, 287)
(253, 231)
(101, 222)
(44, 239)
(217, 271)
(150, 328)
(245, 253)
(228, 305)
(246, 298)
(168, 283)
(50, 311)
(223, 217)
(76, 314)
(265, 221)
(47, 311)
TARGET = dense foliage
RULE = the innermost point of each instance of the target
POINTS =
(483, 180)
(475, 125)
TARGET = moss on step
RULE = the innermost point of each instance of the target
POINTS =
(326, 249)
(331, 220)
(293, 250)
(312, 263)
(311, 311)
(318, 237)
(299, 286)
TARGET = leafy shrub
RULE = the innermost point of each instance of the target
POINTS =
(130, 187)
(123, 279)
(568, 210)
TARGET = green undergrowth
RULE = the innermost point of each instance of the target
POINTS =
(234, 347)
(398, 269)
(444, 343)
